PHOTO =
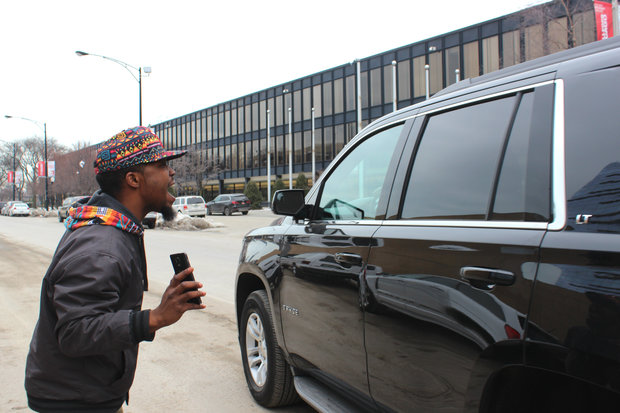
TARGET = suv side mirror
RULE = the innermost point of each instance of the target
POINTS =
(289, 202)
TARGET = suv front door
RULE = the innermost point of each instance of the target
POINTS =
(322, 261)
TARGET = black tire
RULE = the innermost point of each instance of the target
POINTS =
(226, 211)
(151, 225)
(275, 386)
(60, 218)
(244, 212)
(209, 212)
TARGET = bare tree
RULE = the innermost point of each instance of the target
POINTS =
(194, 169)
(25, 154)
(5, 163)
(11, 157)
(74, 173)
(561, 22)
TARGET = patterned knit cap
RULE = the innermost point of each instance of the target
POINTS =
(131, 147)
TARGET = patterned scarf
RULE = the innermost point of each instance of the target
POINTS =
(93, 215)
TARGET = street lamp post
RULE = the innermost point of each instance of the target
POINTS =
(14, 171)
(268, 158)
(127, 66)
(44, 153)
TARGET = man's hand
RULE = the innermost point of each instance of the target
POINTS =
(174, 301)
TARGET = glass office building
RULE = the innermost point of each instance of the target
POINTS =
(228, 141)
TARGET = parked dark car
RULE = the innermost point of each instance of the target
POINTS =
(150, 219)
(461, 254)
(67, 203)
(228, 203)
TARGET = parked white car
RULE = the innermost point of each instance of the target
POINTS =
(6, 207)
(19, 209)
(193, 205)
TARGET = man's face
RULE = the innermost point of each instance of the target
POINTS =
(158, 177)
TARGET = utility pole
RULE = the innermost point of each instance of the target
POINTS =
(46, 172)
(14, 170)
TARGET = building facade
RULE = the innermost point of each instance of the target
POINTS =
(228, 141)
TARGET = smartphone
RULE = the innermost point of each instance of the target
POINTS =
(179, 263)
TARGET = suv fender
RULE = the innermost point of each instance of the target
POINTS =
(251, 278)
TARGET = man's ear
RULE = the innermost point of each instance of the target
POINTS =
(133, 179)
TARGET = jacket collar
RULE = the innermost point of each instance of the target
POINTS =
(103, 209)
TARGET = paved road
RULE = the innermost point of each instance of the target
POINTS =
(192, 366)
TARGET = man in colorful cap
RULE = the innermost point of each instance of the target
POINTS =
(84, 347)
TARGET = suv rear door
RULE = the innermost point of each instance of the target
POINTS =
(451, 271)
(580, 262)
(323, 259)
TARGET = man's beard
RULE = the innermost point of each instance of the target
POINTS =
(168, 213)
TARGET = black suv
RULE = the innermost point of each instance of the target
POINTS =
(461, 254)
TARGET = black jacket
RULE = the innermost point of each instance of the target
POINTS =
(84, 348)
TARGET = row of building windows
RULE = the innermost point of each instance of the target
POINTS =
(233, 134)
(328, 141)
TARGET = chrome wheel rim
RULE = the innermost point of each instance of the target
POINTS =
(256, 349)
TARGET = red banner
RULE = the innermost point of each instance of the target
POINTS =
(604, 20)
(11, 176)
(41, 168)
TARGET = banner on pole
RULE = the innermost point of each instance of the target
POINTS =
(18, 178)
(41, 168)
(11, 176)
(51, 169)
(604, 20)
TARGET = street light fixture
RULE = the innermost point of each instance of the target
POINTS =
(45, 153)
(127, 66)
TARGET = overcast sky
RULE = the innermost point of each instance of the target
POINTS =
(201, 53)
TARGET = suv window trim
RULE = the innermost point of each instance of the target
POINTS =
(486, 97)
(558, 194)
(346, 151)
(558, 159)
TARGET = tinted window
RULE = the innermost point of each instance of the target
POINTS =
(195, 200)
(593, 150)
(511, 187)
(353, 188)
(455, 165)
(523, 190)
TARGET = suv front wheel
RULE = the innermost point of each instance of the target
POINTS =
(266, 371)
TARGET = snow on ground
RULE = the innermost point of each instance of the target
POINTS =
(41, 212)
(181, 222)
(186, 223)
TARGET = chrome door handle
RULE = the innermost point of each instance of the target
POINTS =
(347, 258)
(488, 275)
